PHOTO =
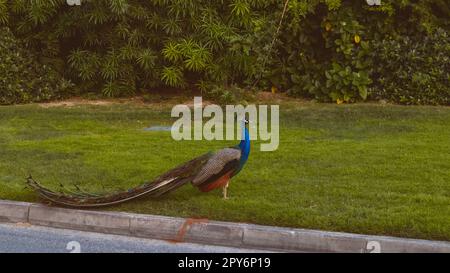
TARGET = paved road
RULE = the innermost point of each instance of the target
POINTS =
(26, 238)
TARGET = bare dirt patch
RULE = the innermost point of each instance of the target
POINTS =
(75, 102)
(168, 100)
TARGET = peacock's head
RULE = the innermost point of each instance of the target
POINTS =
(245, 122)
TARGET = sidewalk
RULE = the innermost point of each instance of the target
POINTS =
(26, 238)
(210, 232)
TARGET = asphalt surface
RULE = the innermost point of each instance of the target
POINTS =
(24, 238)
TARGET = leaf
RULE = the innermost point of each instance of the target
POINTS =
(172, 76)
(240, 8)
(172, 52)
(118, 6)
(146, 59)
(362, 92)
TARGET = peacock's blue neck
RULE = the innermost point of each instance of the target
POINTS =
(244, 146)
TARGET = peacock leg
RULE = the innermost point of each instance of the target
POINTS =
(225, 191)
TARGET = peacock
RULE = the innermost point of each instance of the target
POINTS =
(207, 172)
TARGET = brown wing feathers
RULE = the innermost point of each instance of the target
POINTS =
(221, 162)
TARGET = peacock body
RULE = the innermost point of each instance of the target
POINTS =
(206, 172)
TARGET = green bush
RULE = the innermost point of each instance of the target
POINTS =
(228, 95)
(413, 70)
(340, 52)
(340, 65)
(120, 46)
(22, 78)
(326, 49)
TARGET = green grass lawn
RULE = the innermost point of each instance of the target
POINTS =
(375, 169)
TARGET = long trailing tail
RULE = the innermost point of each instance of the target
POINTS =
(164, 184)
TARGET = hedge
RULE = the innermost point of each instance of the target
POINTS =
(330, 50)
(22, 78)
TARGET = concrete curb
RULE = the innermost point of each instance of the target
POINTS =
(211, 232)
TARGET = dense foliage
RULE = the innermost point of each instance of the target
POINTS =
(22, 77)
(327, 49)
(413, 70)
(345, 52)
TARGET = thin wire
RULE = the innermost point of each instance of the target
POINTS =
(275, 36)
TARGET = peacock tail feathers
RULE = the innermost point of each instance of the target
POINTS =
(164, 184)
